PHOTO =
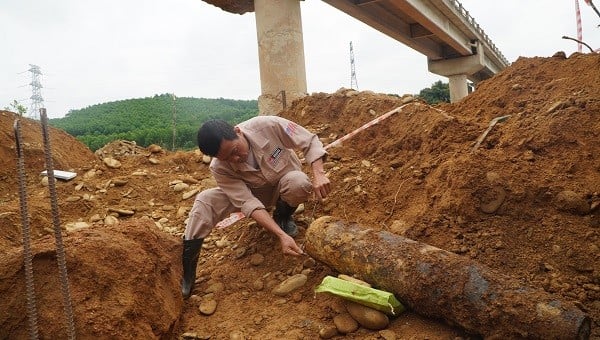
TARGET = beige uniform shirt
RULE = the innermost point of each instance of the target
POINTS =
(272, 141)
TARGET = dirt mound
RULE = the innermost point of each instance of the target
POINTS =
(122, 281)
(68, 152)
(520, 196)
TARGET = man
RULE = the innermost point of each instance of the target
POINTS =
(256, 167)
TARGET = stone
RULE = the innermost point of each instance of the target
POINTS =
(290, 284)
(328, 332)
(367, 317)
(207, 306)
(257, 259)
(570, 201)
(111, 163)
(180, 187)
(344, 323)
(190, 193)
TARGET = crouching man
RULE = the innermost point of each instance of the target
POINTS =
(255, 167)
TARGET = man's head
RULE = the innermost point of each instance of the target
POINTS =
(217, 138)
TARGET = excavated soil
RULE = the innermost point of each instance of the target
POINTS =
(521, 199)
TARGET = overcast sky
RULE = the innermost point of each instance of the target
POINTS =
(92, 52)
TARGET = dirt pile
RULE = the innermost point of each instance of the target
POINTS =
(523, 201)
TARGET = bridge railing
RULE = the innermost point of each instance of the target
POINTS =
(475, 26)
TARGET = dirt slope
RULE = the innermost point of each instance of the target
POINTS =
(524, 202)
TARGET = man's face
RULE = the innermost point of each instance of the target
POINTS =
(234, 151)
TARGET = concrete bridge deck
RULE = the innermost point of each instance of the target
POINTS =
(442, 30)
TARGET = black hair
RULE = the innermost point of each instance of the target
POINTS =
(211, 133)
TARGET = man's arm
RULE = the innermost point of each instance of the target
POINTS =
(264, 219)
(321, 184)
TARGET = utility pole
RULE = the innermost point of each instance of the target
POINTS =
(37, 101)
(353, 81)
(173, 116)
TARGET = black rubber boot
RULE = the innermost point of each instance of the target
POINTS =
(283, 216)
(191, 252)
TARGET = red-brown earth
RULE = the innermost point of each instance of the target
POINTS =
(524, 201)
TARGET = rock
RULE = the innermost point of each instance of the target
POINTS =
(387, 334)
(153, 148)
(189, 336)
(74, 226)
(180, 187)
(181, 211)
(89, 174)
(399, 227)
(258, 285)
(111, 220)
(237, 335)
(189, 180)
(222, 243)
(190, 193)
(367, 317)
(111, 163)
(139, 173)
(119, 181)
(240, 252)
(570, 201)
(122, 212)
(493, 200)
(290, 284)
(153, 161)
(556, 106)
(207, 306)
(95, 218)
(328, 332)
(206, 159)
(257, 259)
(344, 323)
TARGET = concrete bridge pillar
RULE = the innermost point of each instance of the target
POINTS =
(280, 54)
(458, 87)
(457, 70)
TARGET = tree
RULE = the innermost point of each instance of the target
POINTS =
(15, 106)
(437, 93)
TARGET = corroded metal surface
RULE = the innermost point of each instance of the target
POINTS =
(440, 284)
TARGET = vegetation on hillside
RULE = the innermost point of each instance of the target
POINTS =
(438, 93)
(150, 120)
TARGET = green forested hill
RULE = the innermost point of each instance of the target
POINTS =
(150, 120)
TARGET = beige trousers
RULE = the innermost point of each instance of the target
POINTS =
(213, 205)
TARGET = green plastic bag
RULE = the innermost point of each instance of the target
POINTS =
(377, 299)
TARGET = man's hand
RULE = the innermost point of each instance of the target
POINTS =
(289, 246)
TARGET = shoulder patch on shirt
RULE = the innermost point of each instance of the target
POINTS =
(274, 158)
(290, 129)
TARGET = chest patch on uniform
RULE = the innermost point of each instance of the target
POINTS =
(290, 129)
(275, 156)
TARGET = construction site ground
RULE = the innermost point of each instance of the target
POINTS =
(522, 199)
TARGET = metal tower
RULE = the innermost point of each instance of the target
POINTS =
(353, 81)
(37, 101)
